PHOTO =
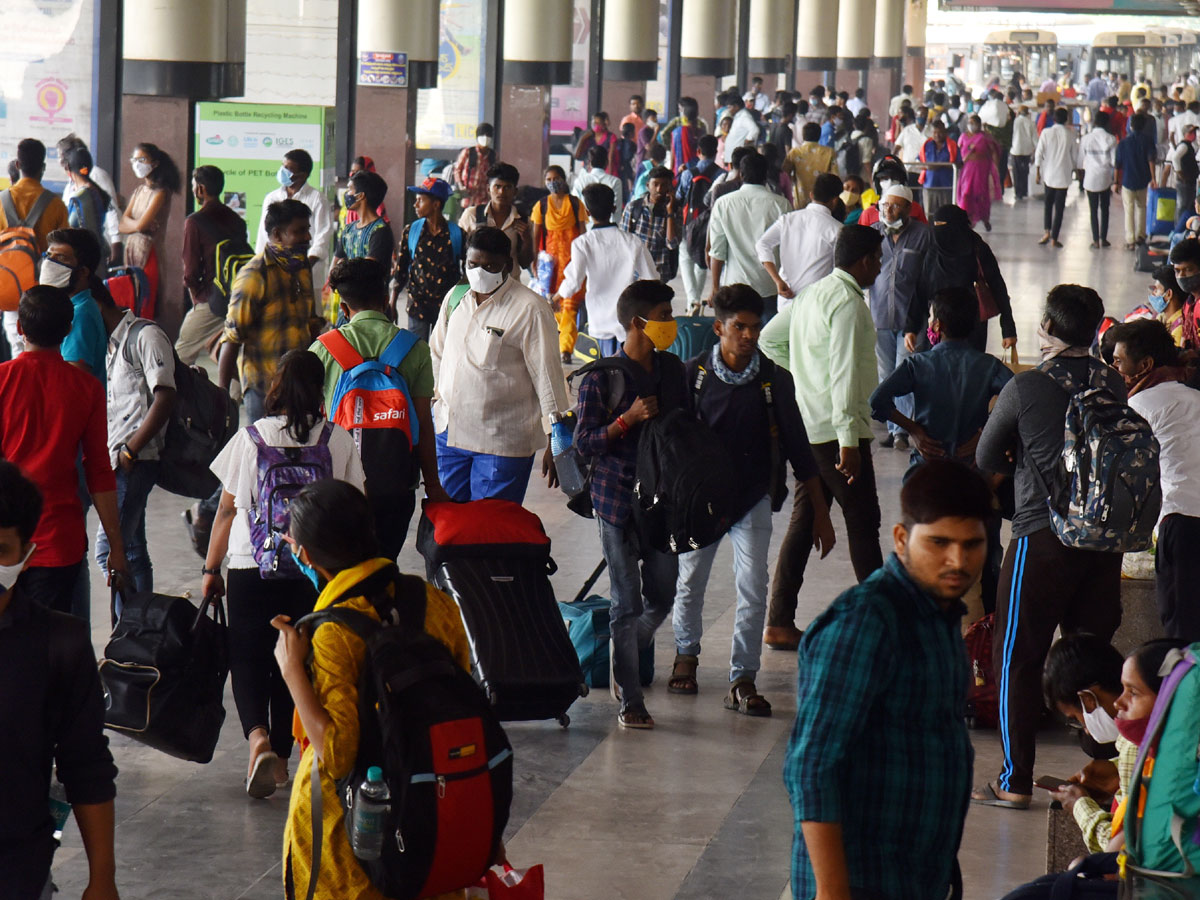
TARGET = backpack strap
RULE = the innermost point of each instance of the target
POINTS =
(326, 434)
(456, 240)
(481, 214)
(10, 210)
(456, 295)
(341, 349)
(414, 237)
(35, 212)
(398, 348)
(253, 433)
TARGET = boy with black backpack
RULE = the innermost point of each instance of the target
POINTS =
(750, 404)
(694, 184)
(653, 383)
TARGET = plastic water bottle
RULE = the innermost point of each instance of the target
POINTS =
(561, 436)
(370, 813)
(60, 809)
(566, 464)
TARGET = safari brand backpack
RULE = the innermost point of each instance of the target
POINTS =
(373, 402)
(282, 474)
(429, 726)
(1105, 494)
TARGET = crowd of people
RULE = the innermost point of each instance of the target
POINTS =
(846, 283)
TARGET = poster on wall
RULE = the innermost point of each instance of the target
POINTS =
(46, 77)
(247, 141)
(448, 115)
(568, 102)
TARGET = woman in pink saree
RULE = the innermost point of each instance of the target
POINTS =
(979, 181)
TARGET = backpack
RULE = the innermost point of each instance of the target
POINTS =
(431, 729)
(456, 238)
(1189, 169)
(229, 255)
(695, 219)
(130, 288)
(373, 402)
(983, 705)
(455, 297)
(1106, 493)
(19, 254)
(1162, 808)
(282, 474)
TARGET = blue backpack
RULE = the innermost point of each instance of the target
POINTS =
(414, 237)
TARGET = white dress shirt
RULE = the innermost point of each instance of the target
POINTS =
(498, 372)
(1055, 156)
(1097, 157)
(609, 260)
(805, 240)
(1024, 137)
(855, 106)
(1178, 121)
(995, 113)
(908, 145)
(597, 175)
(744, 129)
(321, 226)
(1173, 411)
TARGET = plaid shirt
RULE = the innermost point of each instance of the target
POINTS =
(269, 314)
(614, 464)
(881, 704)
(650, 228)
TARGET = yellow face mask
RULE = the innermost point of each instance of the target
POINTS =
(661, 334)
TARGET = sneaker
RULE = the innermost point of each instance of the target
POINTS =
(902, 442)
(888, 441)
(567, 357)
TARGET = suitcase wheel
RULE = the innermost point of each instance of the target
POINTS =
(564, 720)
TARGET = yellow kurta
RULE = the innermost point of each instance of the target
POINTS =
(337, 661)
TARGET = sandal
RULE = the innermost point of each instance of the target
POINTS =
(261, 783)
(683, 675)
(744, 698)
(635, 717)
(988, 795)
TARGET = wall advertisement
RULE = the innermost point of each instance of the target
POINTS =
(448, 115)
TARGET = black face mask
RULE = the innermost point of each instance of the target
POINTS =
(1189, 283)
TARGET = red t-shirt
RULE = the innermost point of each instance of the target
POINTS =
(870, 215)
(48, 410)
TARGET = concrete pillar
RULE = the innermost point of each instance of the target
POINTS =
(630, 42)
(886, 67)
(915, 20)
(536, 49)
(772, 24)
(709, 37)
(855, 38)
(614, 98)
(175, 52)
(816, 20)
(385, 120)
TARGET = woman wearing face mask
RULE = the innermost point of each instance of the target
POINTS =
(557, 220)
(294, 419)
(979, 183)
(87, 202)
(471, 167)
(145, 219)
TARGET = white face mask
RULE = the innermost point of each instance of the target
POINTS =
(8, 574)
(483, 141)
(482, 281)
(1100, 724)
(56, 274)
(142, 169)
(895, 225)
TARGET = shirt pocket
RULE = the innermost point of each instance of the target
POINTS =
(484, 344)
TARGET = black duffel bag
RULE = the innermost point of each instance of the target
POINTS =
(164, 671)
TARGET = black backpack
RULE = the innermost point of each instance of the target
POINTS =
(445, 757)
(696, 214)
(1189, 169)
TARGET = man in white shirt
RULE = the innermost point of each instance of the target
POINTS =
(857, 103)
(1145, 354)
(1183, 164)
(1097, 156)
(803, 241)
(743, 131)
(1024, 140)
(596, 173)
(911, 138)
(737, 221)
(1179, 121)
(293, 178)
(608, 260)
(1054, 160)
(498, 376)
(906, 93)
(994, 113)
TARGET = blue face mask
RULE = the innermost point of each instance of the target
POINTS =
(1158, 304)
(284, 177)
(309, 572)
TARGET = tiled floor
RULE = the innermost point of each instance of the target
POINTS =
(694, 809)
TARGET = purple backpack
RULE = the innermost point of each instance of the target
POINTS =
(282, 474)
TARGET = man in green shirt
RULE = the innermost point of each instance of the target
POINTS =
(826, 339)
(391, 491)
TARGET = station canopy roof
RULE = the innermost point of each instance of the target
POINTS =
(1089, 7)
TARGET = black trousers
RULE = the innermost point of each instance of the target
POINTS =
(1052, 213)
(392, 517)
(1176, 575)
(1092, 887)
(1043, 585)
(860, 508)
(1098, 207)
(1020, 173)
(1185, 193)
(259, 691)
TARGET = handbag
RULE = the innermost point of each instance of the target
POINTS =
(987, 300)
(164, 671)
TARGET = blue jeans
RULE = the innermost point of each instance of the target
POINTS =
(608, 346)
(254, 402)
(467, 475)
(641, 601)
(751, 536)
(133, 491)
(889, 353)
(420, 327)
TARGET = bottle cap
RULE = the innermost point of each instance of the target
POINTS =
(375, 774)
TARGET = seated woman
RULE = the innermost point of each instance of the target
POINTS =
(332, 536)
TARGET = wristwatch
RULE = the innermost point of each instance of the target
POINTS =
(207, 571)
(128, 451)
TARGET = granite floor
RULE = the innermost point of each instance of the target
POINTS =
(694, 809)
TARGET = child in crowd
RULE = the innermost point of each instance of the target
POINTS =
(750, 405)
(643, 579)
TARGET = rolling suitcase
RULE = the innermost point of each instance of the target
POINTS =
(493, 558)
(1160, 211)
(695, 336)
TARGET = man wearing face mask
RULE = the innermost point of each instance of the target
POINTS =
(905, 244)
(471, 167)
(1043, 583)
(70, 263)
(499, 378)
(1187, 171)
(888, 171)
(273, 308)
(293, 178)
(1185, 259)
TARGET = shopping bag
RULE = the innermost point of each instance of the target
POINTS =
(510, 884)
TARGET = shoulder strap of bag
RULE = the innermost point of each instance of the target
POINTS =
(778, 478)
(10, 209)
(414, 236)
(456, 240)
(35, 211)
(456, 296)
(544, 206)
(481, 214)
(398, 348)
(341, 349)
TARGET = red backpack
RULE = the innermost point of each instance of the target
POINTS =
(983, 704)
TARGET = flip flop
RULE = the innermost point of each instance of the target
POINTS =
(996, 800)
(261, 783)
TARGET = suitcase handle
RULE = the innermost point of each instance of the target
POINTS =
(591, 581)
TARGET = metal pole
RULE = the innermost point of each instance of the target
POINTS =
(493, 57)
(674, 57)
(792, 78)
(595, 82)
(742, 65)
(344, 93)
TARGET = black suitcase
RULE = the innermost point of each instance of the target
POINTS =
(521, 652)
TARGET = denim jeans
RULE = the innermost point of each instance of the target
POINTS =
(420, 327)
(889, 353)
(254, 402)
(467, 475)
(641, 601)
(751, 536)
(133, 491)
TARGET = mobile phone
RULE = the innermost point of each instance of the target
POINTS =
(1050, 783)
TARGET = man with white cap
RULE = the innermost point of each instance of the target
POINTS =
(905, 244)
(744, 130)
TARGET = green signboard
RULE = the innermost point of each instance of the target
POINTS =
(247, 141)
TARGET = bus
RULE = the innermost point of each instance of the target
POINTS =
(1131, 53)
(1032, 53)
